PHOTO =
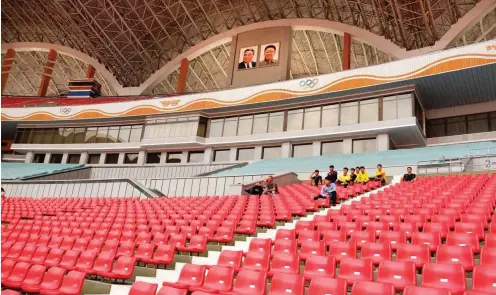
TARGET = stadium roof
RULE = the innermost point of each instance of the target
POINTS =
(137, 43)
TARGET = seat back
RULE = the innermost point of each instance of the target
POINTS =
(53, 278)
(254, 282)
(192, 275)
(230, 258)
(325, 286)
(219, 278)
(372, 288)
(73, 282)
(284, 283)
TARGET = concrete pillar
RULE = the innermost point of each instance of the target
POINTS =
(102, 158)
(208, 156)
(346, 51)
(64, 158)
(257, 154)
(47, 158)
(141, 158)
(382, 142)
(163, 158)
(184, 157)
(316, 147)
(47, 73)
(120, 160)
(347, 146)
(183, 75)
(7, 66)
(29, 157)
(84, 158)
(232, 155)
(286, 150)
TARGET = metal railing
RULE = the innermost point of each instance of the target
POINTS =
(482, 152)
(457, 165)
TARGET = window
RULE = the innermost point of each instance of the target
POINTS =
(222, 155)
(271, 152)
(73, 158)
(436, 128)
(456, 125)
(276, 122)
(174, 157)
(369, 110)
(405, 108)
(312, 118)
(216, 128)
(56, 158)
(37, 136)
(195, 157)
(90, 135)
(230, 126)
(131, 158)
(397, 107)
(331, 148)
(493, 121)
(68, 135)
(124, 133)
(152, 158)
(79, 135)
(260, 123)
(48, 136)
(39, 158)
(111, 158)
(245, 125)
(349, 113)
(113, 134)
(302, 150)
(58, 136)
(247, 154)
(25, 136)
(364, 145)
(101, 136)
(94, 159)
(135, 135)
(295, 120)
(478, 123)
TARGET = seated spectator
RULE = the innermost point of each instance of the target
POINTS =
(271, 187)
(315, 178)
(353, 176)
(328, 190)
(362, 176)
(380, 174)
(332, 175)
(409, 176)
(3, 193)
(257, 189)
(344, 178)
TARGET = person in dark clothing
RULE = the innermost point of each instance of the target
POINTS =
(409, 176)
(315, 178)
(3, 193)
(332, 175)
(271, 187)
(257, 189)
(353, 176)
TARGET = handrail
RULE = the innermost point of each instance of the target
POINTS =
(461, 162)
(477, 152)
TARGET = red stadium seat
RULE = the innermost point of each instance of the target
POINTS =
(167, 290)
(52, 280)
(191, 276)
(249, 282)
(69, 259)
(103, 263)
(432, 240)
(285, 246)
(164, 254)
(285, 263)
(411, 290)
(362, 237)
(284, 283)
(326, 286)
(398, 273)
(40, 255)
(33, 279)
(223, 235)
(301, 226)
(72, 285)
(80, 244)
(312, 248)
(308, 236)
(197, 244)
(342, 250)
(53, 258)
(319, 266)
(17, 275)
(10, 292)
(330, 236)
(407, 228)
(464, 240)
(144, 252)
(433, 227)
(455, 254)
(123, 269)
(260, 245)
(218, 279)
(488, 255)
(15, 251)
(470, 227)
(285, 234)
(27, 253)
(372, 288)
(353, 270)
(393, 238)
(142, 288)
(376, 252)
(419, 254)
(258, 261)
(85, 261)
(230, 258)
(484, 279)
(444, 276)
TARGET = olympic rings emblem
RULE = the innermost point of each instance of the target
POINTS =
(65, 111)
(309, 83)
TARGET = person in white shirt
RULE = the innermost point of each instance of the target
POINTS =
(328, 190)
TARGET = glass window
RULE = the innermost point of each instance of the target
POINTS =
(364, 145)
(37, 136)
(456, 125)
(247, 154)
(48, 136)
(152, 158)
(93, 158)
(58, 136)
(101, 136)
(230, 126)
(404, 103)
(131, 158)
(478, 123)
(302, 150)
(73, 158)
(195, 157)
(124, 133)
(271, 152)
(90, 135)
(25, 136)
(113, 134)
(79, 135)
(295, 120)
(216, 128)
(56, 158)
(202, 129)
(68, 135)
(135, 135)
(436, 128)
(389, 109)
(312, 118)
(331, 148)
(276, 122)
(39, 158)
(111, 158)
(369, 110)
(221, 155)
(174, 157)
(260, 123)
(349, 113)
(493, 121)
(244, 125)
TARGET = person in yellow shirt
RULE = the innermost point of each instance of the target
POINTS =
(362, 176)
(380, 174)
(344, 178)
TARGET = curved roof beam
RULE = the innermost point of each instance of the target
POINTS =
(480, 10)
(39, 46)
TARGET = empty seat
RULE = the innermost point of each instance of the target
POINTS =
(455, 254)
(308, 236)
(394, 238)
(319, 266)
(398, 273)
(249, 282)
(260, 245)
(330, 236)
(464, 240)
(436, 227)
(123, 269)
(418, 254)
(376, 252)
(69, 259)
(372, 288)
(191, 276)
(15, 251)
(197, 244)
(39, 255)
(488, 255)
(342, 250)
(484, 279)
(285, 246)
(142, 288)
(10, 292)
(362, 237)
(327, 286)
(85, 261)
(312, 248)
(17, 275)
(52, 280)
(285, 263)
(284, 283)
(126, 249)
(432, 240)
(413, 290)
(444, 276)
(353, 270)
(167, 290)
(164, 254)
(72, 285)
(259, 261)
(144, 252)
(53, 258)
(218, 279)
(285, 234)
(103, 263)
(33, 279)
(470, 227)
(27, 253)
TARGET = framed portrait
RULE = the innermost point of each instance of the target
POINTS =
(247, 58)
(269, 54)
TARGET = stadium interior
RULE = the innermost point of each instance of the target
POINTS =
(248, 147)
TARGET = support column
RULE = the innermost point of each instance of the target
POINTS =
(84, 158)
(29, 156)
(286, 150)
(346, 51)
(183, 76)
(141, 158)
(47, 73)
(163, 158)
(347, 146)
(7, 66)
(257, 153)
(103, 156)
(90, 73)
(232, 155)
(64, 158)
(120, 160)
(208, 155)
(316, 148)
(382, 142)
(184, 157)
(47, 158)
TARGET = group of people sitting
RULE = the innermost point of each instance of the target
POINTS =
(268, 187)
(356, 175)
